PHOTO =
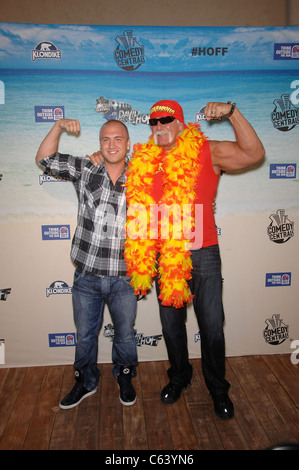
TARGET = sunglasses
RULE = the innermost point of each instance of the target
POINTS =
(162, 120)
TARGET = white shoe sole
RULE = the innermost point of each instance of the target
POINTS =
(73, 405)
(127, 403)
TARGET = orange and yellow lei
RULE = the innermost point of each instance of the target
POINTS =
(181, 168)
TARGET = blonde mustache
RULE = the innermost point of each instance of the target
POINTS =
(158, 133)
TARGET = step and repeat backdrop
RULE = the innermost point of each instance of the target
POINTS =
(96, 73)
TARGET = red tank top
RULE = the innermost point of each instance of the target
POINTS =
(205, 194)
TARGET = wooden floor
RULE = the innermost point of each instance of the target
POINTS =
(265, 391)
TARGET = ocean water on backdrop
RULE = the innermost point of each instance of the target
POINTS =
(24, 198)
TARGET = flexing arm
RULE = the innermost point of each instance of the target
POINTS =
(245, 151)
(50, 143)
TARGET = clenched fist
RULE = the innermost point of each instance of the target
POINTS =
(70, 125)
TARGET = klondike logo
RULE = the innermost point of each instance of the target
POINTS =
(45, 50)
(281, 228)
(58, 287)
(129, 54)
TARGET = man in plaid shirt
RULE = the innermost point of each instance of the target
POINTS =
(97, 251)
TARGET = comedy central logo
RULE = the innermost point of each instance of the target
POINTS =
(281, 228)
(129, 54)
(285, 115)
(276, 331)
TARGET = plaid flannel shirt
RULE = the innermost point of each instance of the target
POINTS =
(98, 242)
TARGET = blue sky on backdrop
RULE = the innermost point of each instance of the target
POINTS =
(166, 49)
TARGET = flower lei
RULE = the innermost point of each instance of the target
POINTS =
(181, 168)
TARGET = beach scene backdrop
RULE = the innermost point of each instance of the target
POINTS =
(96, 73)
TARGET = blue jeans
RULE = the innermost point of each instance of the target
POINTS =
(206, 286)
(90, 293)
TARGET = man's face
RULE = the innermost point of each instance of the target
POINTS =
(165, 135)
(114, 142)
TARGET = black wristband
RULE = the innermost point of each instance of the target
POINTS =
(231, 109)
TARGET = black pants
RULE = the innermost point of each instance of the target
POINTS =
(206, 286)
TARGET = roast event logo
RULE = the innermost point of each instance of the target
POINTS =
(276, 331)
(4, 293)
(281, 228)
(285, 115)
(45, 50)
(129, 54)
(139, 337)
(200, 115)
(113, 109)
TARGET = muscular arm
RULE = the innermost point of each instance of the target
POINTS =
(245, 151)
(51, 142)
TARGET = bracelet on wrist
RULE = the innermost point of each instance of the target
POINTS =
(231, 109)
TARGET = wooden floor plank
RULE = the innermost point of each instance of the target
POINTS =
(134, 429)
(40, 429)
(111, 422)
(231, 434)
(286, 373)
(155, 411)
(226, 435)
(282, 394)
(18, 424)
(246, 370)
(264, 390)
(205, 431)
(179, 420)
(87, 424)
(149, 377)
(245, 414)
(9, 394)
(3, 375)
(65, 421)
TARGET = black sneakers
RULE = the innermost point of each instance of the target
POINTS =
(127, 394)
(76, 395)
